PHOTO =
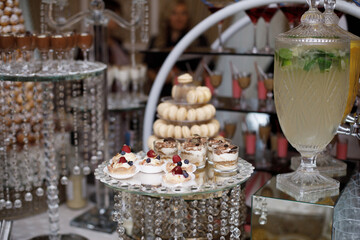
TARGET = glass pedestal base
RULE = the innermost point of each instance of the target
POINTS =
(62, 237)
(325, 164)
(94, 220)
(307, 185)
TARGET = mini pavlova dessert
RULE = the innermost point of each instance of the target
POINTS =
(178, 176)
(166, 148)
(126, 152)
(212, 142)
(122, 165)
(194, 149)
(152, 163)
(177, 161)
(225, 157)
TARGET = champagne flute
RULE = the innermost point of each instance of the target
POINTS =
(269, 85)
(43, 44)
(267, 15)
(264, 134)
(254, 15)
(214, 6)
(244, 80)
(292, 12)
(58, 44)
(23, 43)
(230, 128)
(84, 42)
(216, 80)
(7, 42)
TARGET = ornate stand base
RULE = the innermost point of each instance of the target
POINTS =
(325, 164)
(62, 237)
(307, 185)
(94, 220)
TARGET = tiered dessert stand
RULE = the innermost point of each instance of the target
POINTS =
(213, 207)
(49, 105)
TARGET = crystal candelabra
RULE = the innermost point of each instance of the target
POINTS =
(98, 17)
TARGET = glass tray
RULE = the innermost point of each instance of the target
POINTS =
(185, 122)
(182, 104)
(95, 69)
(206, 181)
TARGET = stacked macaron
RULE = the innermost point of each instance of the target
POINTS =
(192, 115)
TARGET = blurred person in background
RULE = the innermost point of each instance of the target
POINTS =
(175, 23)
(117, 53)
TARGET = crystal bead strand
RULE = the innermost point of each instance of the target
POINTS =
(224, 229)
(210, 217)
(142, 217)
(38, 169)
(86, 128)
(145, 23)
(50, 162)
(26, 128)
(76, 169)
(118, 206)
(113, 150)
(99, 118)
(4, 160)
(234, 220)
(93, 121)
(193, 218)
(149, 217)
(160, 213)
(203, 216)
(14, 171)
(62, 121)
(133, 33)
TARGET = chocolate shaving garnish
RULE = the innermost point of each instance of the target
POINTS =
(198, 144)
(226, 145)
(169, 139)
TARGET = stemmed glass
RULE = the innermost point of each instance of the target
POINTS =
(311, 82)
(230, 128)
(58, 45)
(254, 15)
(84, 42)
(43, 44)
(292, 12)
(7, 43)
(213, 6)
(264, 134)
(267, 15)
(23, 43)
(269, 85)
(244, 80)
(216, 80)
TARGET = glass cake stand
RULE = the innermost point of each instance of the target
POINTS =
(213, 207)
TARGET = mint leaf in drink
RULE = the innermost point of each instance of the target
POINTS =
(285, 53)
(324, 63)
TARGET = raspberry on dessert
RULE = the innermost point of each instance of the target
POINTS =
(122, 160)
(126, 149)
(176, 159)
(131, 163)
(177, 170)
(151, 154)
